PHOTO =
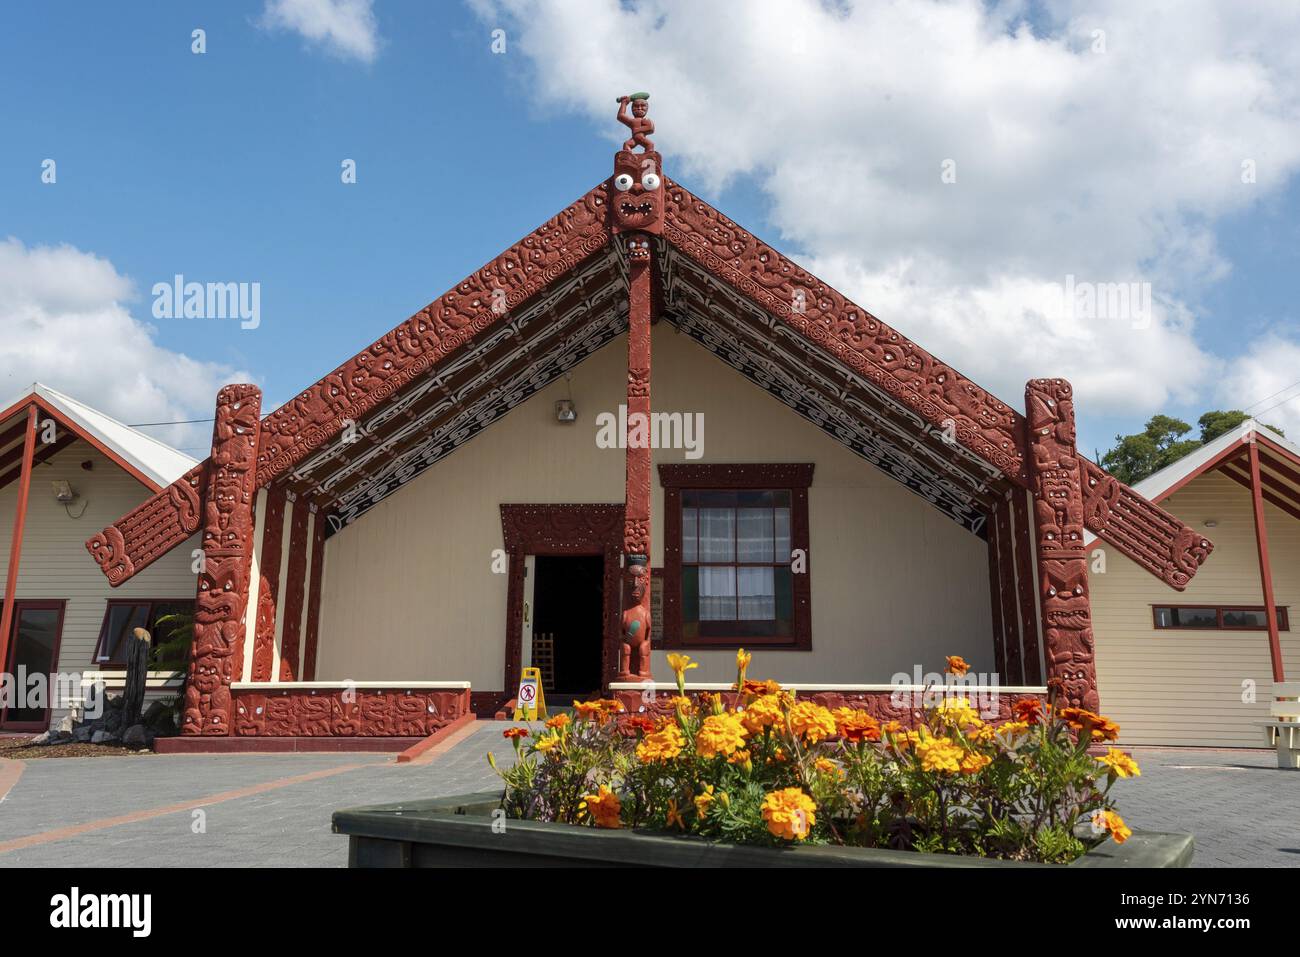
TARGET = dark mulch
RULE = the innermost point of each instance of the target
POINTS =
(20, 749)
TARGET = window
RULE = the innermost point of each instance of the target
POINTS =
(731, 534)
(122, 617)
(1216, 617)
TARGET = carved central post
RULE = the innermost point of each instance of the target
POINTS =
(1056, 480)
(636, 214)
(227, 550)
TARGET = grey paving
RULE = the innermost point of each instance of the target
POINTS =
(1242, 810)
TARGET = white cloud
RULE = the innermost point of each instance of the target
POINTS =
(1266, 375)
(1073, 163)
(65, 324)
(345, 28)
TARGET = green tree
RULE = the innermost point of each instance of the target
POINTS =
(1162, 443)
(1136, 456)
(1214, 424)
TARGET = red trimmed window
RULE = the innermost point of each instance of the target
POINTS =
(1216, 618)
(735, 556)
(122, 616)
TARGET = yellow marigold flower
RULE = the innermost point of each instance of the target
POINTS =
(720, 734)
(812, 721)
(958, 713)
(938, 754)
(903, 740)
(972, 762)
(1120, 763)
(547, 743)
(761, 713)
(790, 814)
(682, 703)
(603, 807)
(704, 801)
(740, 757)
(1009, 729)
(957, 665)
(664, 745)
(1111, 823)
(983, 734)
(891, 727)
(680, 664)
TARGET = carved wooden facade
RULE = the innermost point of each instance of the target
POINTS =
(634, 249)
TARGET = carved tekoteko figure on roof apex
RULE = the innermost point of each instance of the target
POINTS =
(640, 124)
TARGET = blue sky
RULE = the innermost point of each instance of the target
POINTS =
(225, 166)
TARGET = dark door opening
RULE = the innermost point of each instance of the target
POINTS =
(568, 601)
(34, 649)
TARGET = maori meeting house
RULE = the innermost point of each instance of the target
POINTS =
(384, 554)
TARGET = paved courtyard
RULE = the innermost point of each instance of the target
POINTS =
(274, 810)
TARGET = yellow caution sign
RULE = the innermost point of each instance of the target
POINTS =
(530, 703)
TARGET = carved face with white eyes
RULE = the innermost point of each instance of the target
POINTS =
(636, 192)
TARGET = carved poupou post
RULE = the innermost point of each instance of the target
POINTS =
(636, 213)
(222, 602)
(1056, 475)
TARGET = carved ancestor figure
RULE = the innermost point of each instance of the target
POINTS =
(640, 124)
(634, 656)
(222, 601)
(1056, 482)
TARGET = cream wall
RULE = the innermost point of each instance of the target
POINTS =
(1185, 687)
(409, 590)
(55, 564)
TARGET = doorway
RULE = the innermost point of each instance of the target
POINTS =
(33, 649)
(568, 599)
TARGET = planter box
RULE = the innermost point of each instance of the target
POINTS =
(457, 832)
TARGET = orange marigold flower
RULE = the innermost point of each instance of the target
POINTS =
(1098, 727)
(856, 726)
(514, 734)
(957, 665)
(720, 734)
(561, 720)
(664, 745)
(972, 762)
(674, 815)
(812, 721)
(761, 713)
(704, 801)
(827, 766)
(1108, 822)
(641, 723)
(587, 709)
(790, 814)
(603, 807)
(1028, 710)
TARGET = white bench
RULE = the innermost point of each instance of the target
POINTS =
(1283, 730)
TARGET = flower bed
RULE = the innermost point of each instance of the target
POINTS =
(771, 771)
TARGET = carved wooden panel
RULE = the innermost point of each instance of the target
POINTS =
(295, 591)
(313, 599)
(1140, 529)
(359, 713)
(145, 534)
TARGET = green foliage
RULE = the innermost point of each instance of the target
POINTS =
(1163, 442)
(173, 636)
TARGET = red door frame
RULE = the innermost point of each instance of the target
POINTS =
(21, 604)
(561, 530)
